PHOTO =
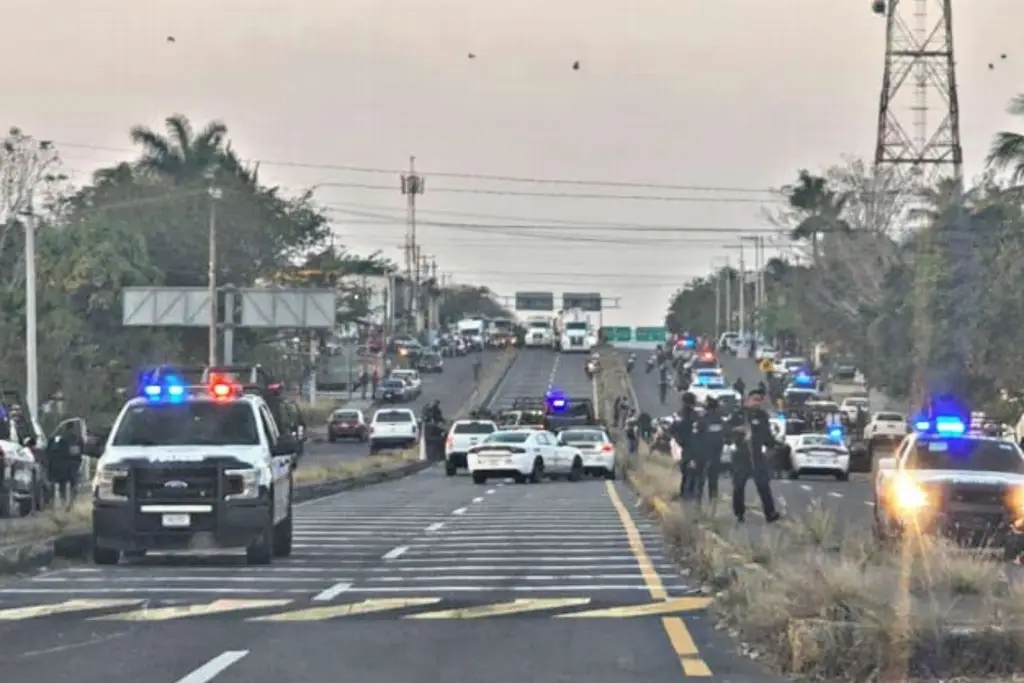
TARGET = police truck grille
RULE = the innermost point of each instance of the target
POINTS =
(968, 494)
(175, 483)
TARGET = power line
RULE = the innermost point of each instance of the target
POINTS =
(560, 195)
(468, 175)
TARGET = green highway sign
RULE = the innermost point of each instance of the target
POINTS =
(618, 334)
(651, 334)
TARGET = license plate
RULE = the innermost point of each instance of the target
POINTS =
(824, 456)
(176, 521)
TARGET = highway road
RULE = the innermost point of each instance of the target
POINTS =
(427, 578)
(453, 388)
(851, 502)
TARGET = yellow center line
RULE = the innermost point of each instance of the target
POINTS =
(678, 634)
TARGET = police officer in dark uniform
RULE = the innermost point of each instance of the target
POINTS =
(753, 434)
(683, 433)
(712, 430)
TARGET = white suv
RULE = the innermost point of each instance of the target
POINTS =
(463, 435)
(393, 427)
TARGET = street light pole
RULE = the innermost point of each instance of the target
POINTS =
(214, 194)
(31, 322)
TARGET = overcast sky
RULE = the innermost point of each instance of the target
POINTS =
(731, 93)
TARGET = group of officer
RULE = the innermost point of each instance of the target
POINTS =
(702, 435)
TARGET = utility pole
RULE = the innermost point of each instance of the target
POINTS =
(743, 287)
(214, 194)
(728, 295)
(412, 185)
(918, 56)
(718, 305)
(31, 322)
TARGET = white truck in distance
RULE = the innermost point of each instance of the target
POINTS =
(474, 332)
(576, 332)
(540, 332)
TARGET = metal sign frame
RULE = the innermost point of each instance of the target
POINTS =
(165, 307)
(542, 302)
(585, 301)
(261, 308)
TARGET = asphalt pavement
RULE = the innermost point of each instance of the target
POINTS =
(452, 388)
(560, 580)
(849, 502)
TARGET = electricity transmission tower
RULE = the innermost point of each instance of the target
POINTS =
(919, 109)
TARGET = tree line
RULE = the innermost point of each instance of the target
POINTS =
(145, 222)
(919, 286)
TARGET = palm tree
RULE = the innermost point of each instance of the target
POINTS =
(820, 206)
(1007, 151)
(182, 155)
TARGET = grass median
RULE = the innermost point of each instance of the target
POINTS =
(812, 600)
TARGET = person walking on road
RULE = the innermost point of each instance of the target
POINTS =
(374, 382)
(65, 460)
(753, 435)
(364, 381)
(632, 434)
(683, 435)
(712, 431)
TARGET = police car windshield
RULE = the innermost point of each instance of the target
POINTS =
(965, 454)
(817, 440)
(508, 437)
(576, 326)
(195, 423)
(542, 324)
(582, 437)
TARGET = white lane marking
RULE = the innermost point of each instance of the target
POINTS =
(487, 578)
(478, 500)
(435, 526)
(805, 487)
(490, 491)
(395, 553)
(869, 503)
(460, 511)
(835, 494)
(210, 670)
(462, 588)
(332, 592)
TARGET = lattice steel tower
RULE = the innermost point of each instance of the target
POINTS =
(919, 89)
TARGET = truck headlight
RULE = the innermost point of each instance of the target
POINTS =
(111, 483)
(908, 497)
(242, 484)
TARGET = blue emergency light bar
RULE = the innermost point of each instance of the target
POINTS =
(803, 379)
(556, 401)
(168, 389)
(835, 433)
(943, 425)
(944, 416)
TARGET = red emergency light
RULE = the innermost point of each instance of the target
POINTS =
(223, 387)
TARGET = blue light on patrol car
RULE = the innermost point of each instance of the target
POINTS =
(835, 433)
(168, 389)
(556, 401)
(803, 379)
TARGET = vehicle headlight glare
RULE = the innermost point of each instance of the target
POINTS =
(908, 496)
(250, 479)
(105, 480)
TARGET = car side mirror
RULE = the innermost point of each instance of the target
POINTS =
(286, 445)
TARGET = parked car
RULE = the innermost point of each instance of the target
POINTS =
(346, 423)
(430, 362)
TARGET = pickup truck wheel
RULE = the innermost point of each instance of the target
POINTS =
(283, 534)
(8, 503)
(794, 474)
(373, 449)
(261, 551)
(104, 556)
(479, 478)
(842, 476)
(610, 474)
(450, 469)
(25, 505)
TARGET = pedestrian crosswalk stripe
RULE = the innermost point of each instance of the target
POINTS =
(296, 611)
(673, 606)
(502, 609)
(181, 611)
(69, 606)
(371, 606)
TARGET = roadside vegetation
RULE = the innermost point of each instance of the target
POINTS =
(919, 286)
(144, 222)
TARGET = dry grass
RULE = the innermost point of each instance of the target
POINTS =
(814, 600)
(351, 469)
(48, 524)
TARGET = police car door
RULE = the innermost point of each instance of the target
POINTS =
(280, 466)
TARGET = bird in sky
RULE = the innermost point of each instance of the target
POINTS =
(170, 39)
(576, 65)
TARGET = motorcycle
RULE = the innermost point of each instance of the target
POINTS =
(629, 365)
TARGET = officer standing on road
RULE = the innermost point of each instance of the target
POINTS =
(740, 386)
(683, 433)
(632, 433)
(712, 431)
(644, 420)
(753, 435)
(65, 459)
(476, 368)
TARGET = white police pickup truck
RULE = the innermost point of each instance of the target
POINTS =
(462, 436)
(193, 468)
(393, 428)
